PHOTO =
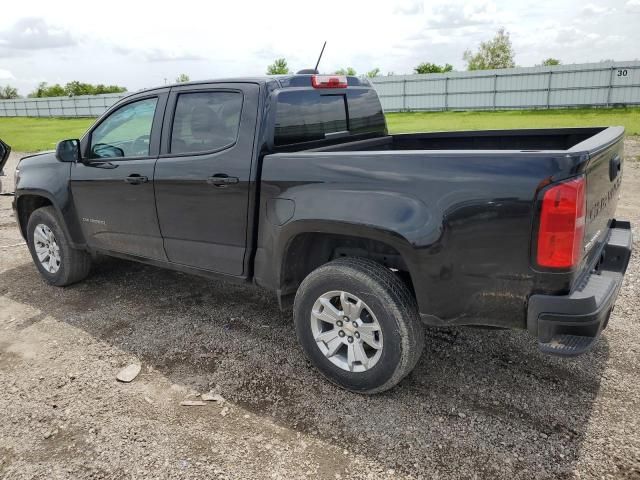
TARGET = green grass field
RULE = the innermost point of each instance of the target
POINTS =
(629, 118)
(27, 134)
(32, 134)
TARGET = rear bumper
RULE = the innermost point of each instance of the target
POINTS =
(571, 324)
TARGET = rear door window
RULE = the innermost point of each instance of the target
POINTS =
(205, 121)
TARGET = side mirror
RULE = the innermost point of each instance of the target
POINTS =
(68, 150)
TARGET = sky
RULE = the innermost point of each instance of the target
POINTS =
(140, 44)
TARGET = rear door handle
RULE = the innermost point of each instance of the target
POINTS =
(135, 179)
(222, 180)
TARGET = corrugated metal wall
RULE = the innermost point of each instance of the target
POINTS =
(83, 106)
(586, 85)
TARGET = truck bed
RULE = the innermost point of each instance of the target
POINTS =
(532, 140)
(460, 209)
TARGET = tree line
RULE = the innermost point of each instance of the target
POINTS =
(492, 54)
(71, 89)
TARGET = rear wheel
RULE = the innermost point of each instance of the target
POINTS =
(358, 324)
(58, 263)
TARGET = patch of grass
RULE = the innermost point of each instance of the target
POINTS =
(32, 134)
(499, 120)
(28, 134)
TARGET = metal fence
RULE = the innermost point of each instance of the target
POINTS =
(586, 85)
(82, 106)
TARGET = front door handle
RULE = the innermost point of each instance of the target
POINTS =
(135, 179)
(222, 180)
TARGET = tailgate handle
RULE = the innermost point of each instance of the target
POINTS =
(614, 167)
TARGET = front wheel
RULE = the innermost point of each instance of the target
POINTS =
(358, 324)
(58, 262)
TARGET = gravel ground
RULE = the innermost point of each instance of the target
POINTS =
(480, 404)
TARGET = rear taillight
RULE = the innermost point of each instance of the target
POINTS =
(562, 221)
(329, 81)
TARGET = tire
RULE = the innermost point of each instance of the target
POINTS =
(71, 266)
(387, 307)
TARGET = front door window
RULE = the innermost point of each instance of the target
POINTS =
(126, 132)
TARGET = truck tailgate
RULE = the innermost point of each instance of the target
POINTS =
(603, 180)
(570, 323)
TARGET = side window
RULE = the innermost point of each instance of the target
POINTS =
(205, 121)
(126, 132)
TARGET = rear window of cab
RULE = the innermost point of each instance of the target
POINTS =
(310, 115)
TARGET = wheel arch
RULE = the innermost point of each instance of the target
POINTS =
(305, 248)
(29, 201)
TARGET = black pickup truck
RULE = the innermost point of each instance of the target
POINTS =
(294, 184)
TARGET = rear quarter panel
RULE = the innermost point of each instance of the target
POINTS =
(460, 219)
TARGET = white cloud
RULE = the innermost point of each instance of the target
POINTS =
(632, 6)
(452, 15)
(409, 8)
(591, 10)
(571, 36)
(6, 74)
(159, 54)
(34, 33)
(127, 44)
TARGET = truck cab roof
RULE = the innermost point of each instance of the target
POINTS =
(281, 81)
(305, 110)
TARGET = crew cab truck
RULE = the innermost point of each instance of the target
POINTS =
(293, 183)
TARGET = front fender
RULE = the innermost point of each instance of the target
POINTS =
(45, 177)
(70, 224)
